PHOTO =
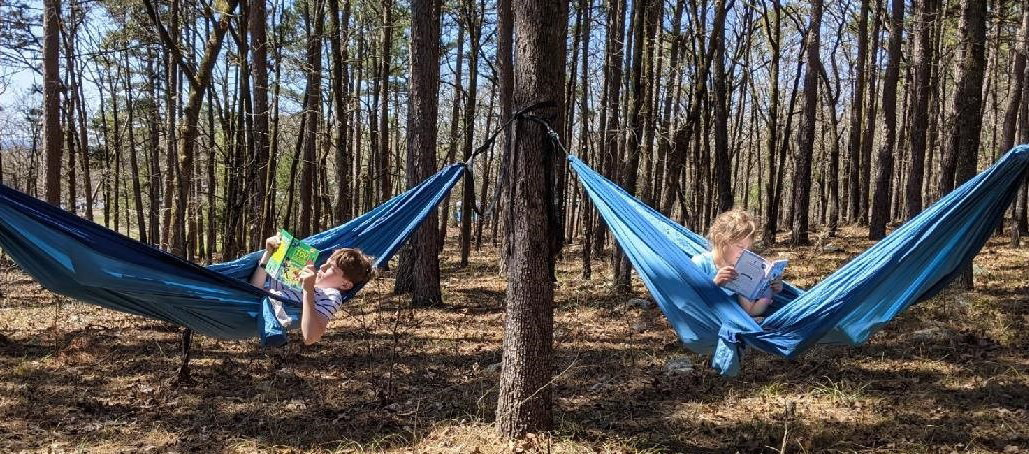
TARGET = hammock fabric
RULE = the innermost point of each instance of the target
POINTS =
(83, 260)
(912, 264)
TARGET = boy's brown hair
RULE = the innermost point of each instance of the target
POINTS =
(355, 266)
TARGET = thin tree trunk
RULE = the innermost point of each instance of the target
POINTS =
(455, 125)
(868, 137)
(880, 213)
(474, 20)
(806, 139)
(960, 160)
(773, 31)
(926, 18)
(52, 100)
(130, 126)
(720, 89)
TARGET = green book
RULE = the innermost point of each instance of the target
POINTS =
(290, 259)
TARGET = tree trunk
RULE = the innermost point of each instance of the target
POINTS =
(771, 205)
(258, 23)
(474, 20)
(868, 134)
(455, 125)
(316, 22)
(927, 11)
(505, 35)
(1021, 220)
(962, 153)
(130, 126)
(636, 116)
(587, 206)
(723, 181)
(171, 132)
(69, 89)
(343, 208)
(386, 63)
(52, 100)
(880, 213)
(806, 139)
(856, 117)
(421, 144)
(524, 398)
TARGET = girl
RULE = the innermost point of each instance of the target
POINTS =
(731, 233)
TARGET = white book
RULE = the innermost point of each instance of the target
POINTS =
(754, 275)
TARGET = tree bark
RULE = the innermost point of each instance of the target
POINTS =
(880, 213)
(455, 125)
(474, 20)
(258, 23)
(806, 139)
(524, 401)
(773, 31)
(723, 181)
(343, 208)
(857, 117)
(962, 153)
(52, 100)
(386, 62)
(312, 110)
(927, 11)
(421, 144)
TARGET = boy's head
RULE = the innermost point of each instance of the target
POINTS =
(731, 233)
(345, 269)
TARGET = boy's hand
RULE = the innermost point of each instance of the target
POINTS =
(307, 277)
(725, 275)
(776, 285)
(272, 243)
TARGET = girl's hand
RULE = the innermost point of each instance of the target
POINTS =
(307, 277)
(776, 285)
(272, 243)
(725, 275)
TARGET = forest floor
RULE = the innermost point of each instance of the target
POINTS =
(949, 375)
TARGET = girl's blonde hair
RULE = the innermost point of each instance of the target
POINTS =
(730, 226)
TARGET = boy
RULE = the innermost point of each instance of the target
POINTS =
(322, 288)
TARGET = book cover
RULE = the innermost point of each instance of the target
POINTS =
(754, 275)
(290, 259)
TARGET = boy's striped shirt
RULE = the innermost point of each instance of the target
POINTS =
(326, 300)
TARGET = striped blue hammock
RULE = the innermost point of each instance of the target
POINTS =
(83, 260)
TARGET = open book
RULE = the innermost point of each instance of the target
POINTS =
(754, 274)
(290, 259)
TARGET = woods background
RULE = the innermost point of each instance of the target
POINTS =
(200, 127)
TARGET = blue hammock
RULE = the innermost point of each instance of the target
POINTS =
(913, 263)
(75, 257)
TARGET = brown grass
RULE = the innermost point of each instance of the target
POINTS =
(950, 375)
